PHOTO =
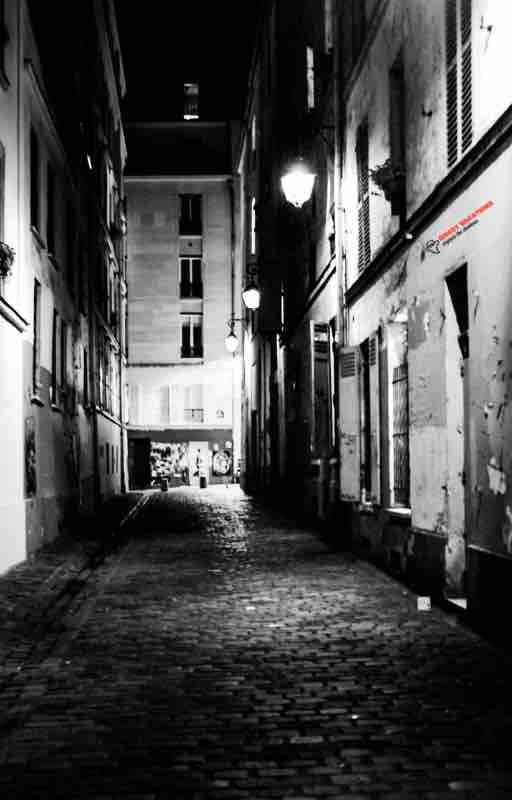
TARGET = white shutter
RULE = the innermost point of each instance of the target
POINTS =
(174, 405)
(133, 414)
(165, 405)
(350, 467)
(374, 352)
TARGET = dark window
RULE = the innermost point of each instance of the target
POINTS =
(107, 450)
(190, 215)
(322, 389)
(34, 180)
(397, 137)
(363, 198)
(36, 345)
(457, 284)
(4, 40)
(55, 355)
(70, 249)
(401, 435)
(86, 378)
(50, 210)
(366, 451)
(191, 284)
(358, 27)
(63, 356)
(191, 336)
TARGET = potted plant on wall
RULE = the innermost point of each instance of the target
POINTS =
(6, 260)
(390, 178)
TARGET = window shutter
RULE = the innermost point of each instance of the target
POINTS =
(451, 81)
(363, 198)
(459, 103)
(165, 405)
(174, 412)
(466, 75)
(133, 415)
(374, 364)
(350, 480)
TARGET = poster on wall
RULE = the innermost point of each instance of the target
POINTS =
(30, 457)
(169, 460)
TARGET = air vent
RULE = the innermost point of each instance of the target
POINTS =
(348, 364)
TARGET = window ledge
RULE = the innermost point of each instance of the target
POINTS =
(55, 407)
(403, 513)
(36, 399)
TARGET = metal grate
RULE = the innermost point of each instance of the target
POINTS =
(401, 435)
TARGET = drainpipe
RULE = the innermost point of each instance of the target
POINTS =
(339, 134)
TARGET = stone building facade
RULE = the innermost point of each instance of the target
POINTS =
(62, 212)
(397, 365)
(182, 248)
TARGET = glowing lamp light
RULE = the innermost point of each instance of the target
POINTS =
(251, 296)
(231, 341)
(297, 183)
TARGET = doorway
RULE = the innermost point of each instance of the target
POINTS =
(457, 385)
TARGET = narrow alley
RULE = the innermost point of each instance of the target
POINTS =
(221, 652)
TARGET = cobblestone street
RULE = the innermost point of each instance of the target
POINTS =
(221, 652)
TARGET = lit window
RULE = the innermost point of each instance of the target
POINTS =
(253, 226)
(191, 104)
(310, 77)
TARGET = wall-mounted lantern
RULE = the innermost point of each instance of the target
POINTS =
(297, 183)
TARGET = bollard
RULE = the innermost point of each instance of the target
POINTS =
(164, 484)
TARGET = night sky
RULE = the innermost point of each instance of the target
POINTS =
(167, 43)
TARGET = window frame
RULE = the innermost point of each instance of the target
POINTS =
(188, 287)
(35, 182)
(191, 349)
(36, 341)
(191, 214)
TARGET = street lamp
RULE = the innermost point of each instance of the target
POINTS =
(251, 295)
(297, 183)
(231, 340)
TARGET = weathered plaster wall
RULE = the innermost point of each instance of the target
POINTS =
(487, 249)
(417, 29)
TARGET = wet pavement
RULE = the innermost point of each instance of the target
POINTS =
(221, 652)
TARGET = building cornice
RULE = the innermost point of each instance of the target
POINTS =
(9, 313)
(486, 150)
(219, 178)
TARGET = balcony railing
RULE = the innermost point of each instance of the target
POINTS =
(192, 352)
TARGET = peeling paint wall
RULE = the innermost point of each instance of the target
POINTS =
(451, 496)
